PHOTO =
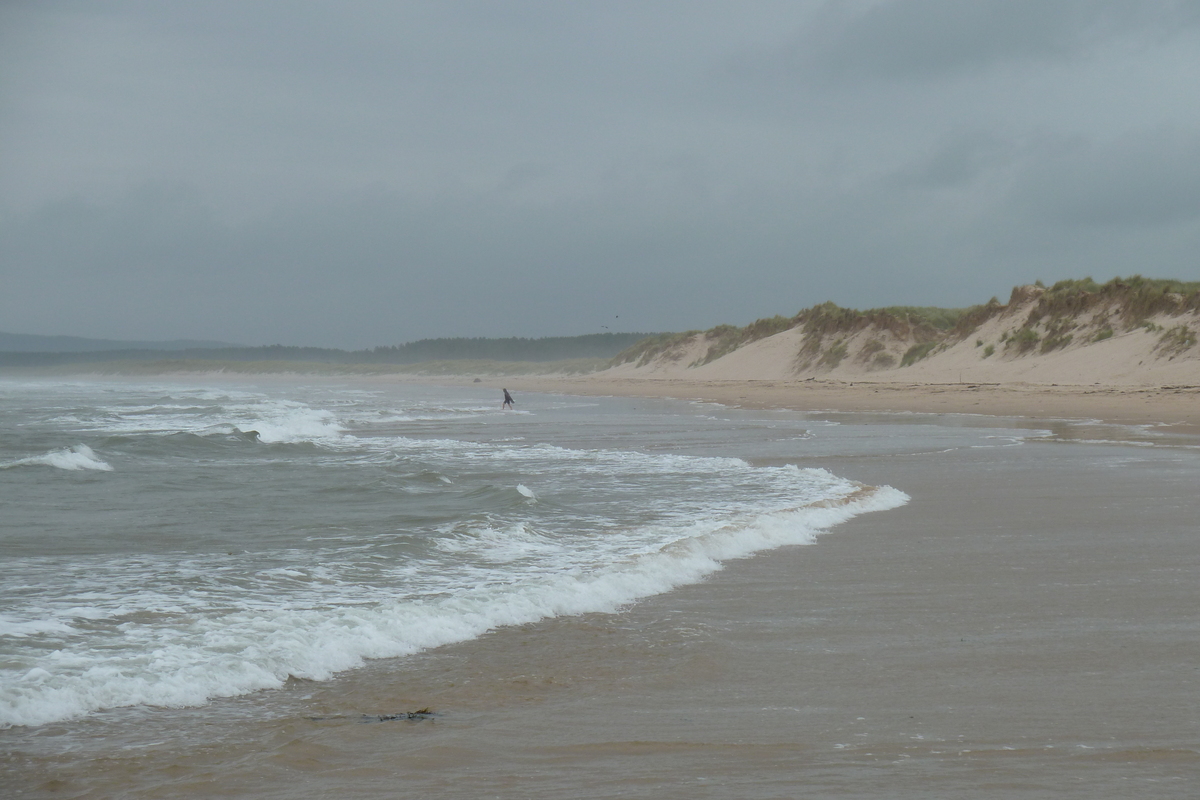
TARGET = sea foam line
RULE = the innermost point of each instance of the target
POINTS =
(248, 651)
(74, 458)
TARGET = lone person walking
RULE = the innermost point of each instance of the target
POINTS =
(508, 401)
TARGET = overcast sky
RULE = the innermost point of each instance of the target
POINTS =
(369, 173)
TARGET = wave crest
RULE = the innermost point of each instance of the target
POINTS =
(70, 458)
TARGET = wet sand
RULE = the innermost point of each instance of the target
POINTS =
(1025, 627)
(1135, 404)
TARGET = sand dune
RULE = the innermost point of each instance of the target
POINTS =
(1101, 344)
(1100, 359)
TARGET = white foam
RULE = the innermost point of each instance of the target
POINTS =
(504, 545)
(611, 526)
(296, 425)
(75, 458)
(255, 648)
(22, 628)
(206, 413)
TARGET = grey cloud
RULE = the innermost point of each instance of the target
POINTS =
(524, 178)
(378, 267)
(914, 39)
(1151, 178)
(366, 269)
(298, 173)
(956, 161)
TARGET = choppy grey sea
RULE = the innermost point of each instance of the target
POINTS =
(164, 544)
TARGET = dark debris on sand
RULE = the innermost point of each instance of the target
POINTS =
(407, 716)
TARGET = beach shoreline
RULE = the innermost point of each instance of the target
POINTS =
(1023, 627)
(1147, 396)
(955, 647)
(1174, 406)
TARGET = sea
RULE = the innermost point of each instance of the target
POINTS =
(166, 544)
(196, 554)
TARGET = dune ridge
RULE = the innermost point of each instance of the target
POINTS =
(1123, 352)
(1134, 332)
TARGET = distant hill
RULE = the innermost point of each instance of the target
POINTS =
(550, 348)
(29, 343)
(22, 351)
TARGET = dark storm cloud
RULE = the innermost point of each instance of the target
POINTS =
(931, 38)
(1149, 178)
(371, 262)
(302, 173)
(958, 160)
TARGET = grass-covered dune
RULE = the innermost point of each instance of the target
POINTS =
(1036, 320)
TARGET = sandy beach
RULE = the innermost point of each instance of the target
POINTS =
(1023, 628)
(1174, 405)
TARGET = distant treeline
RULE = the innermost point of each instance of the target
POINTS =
(32, 343)
(551, 348)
